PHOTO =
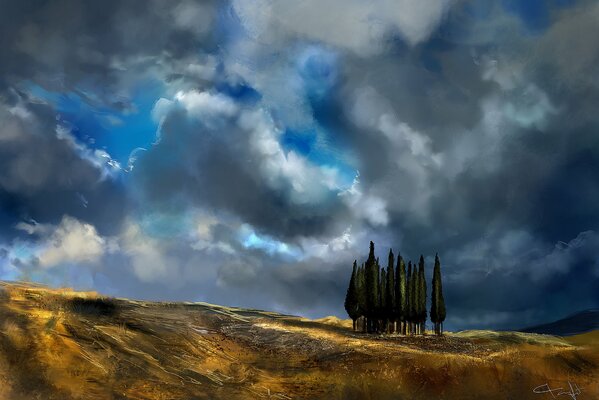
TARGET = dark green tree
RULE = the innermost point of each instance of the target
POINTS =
(361, 284)
(437, 300)
(372, 284)
(442, 311)
(421, 296)
(391, 304)
(382, 300)
(351, 297)
(401, 294)
(410, 298)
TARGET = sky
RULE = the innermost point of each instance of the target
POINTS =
(245, 152)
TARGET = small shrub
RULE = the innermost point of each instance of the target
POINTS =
(96, 306)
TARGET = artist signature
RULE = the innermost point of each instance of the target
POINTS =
(572, 390)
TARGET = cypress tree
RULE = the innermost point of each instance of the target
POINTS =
(401, 294)
(376, 279)
(414, 299)
(391, 304)
(383, 300)
(437, 301)
(441, 312)
(435, 296)
(421, 295)
(417, 298)
(410, 298)
(361, 296)
(371, 281)
(351, 297)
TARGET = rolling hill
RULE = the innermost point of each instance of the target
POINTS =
(575, 324)
(61, 344)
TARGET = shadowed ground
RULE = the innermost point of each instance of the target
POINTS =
(59, 344)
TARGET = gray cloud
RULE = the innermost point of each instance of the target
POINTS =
(45, 176)
(472, 137)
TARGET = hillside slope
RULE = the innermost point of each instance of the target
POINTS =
(575, 324)
(57, 344)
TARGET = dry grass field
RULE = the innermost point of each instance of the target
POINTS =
(60, 344)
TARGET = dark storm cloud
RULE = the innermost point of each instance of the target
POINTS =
(473, 128)
(44, 177)
(93, 50)
(511, 121)
(66, 45)
(214, 168)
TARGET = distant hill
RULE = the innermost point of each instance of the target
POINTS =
(574, 324)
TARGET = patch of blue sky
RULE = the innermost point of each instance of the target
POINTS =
(166, 225)
(430, 61)
(317, 73)
(20, 251)
(118, 132)
(252, 240)
(314, 144)
(479, 9)
(68, 274)
(8, 271)
(317, 68)
(302, 142)
(535, 14)
(228, 26)
(239, 91)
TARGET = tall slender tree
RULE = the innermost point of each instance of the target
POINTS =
(392, 299)
(417, 298)
(371, 280)
(421, 295)
(442, 311)
(361, 284)
(377, 279)
(410, 298)
(351, 297)
(401, 294)
(383, 300)
(437, 300)
(390, 302)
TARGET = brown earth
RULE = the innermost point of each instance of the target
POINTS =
(60, 344)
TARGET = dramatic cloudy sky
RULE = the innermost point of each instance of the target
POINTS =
(245, 152)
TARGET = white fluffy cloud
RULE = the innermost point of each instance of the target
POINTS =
(366, 206)
(206, 107)
(71, 242)
(149, 262)
(308, 183)
(205, 104)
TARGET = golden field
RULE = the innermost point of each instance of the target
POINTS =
(60, 344)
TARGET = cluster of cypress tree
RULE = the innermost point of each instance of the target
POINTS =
(388, 300)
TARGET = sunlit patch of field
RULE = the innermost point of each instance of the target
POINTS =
(61, 344)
